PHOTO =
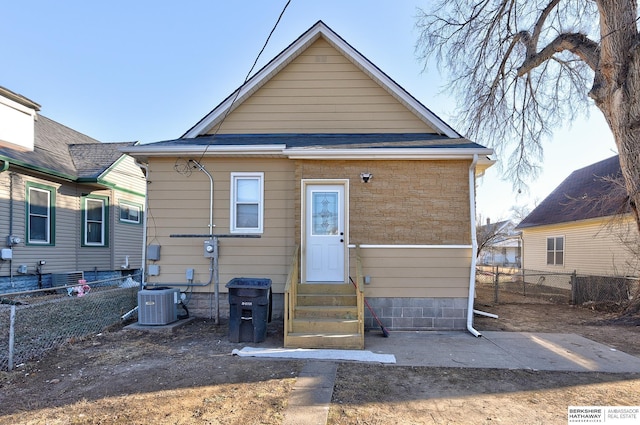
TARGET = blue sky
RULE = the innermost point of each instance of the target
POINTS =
(148, 70)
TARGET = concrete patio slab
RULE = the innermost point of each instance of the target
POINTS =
(502, 350)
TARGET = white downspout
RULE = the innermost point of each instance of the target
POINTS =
(145, 221)
(474, 246)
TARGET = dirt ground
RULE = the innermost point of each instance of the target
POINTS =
(190, 377)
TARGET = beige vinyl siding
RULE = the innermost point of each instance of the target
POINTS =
(416, 272)
(130, 187)
(321, 91)
(127, 237)
(126, 176)
(98, 258)
(5, 184)
(60, 257)
(179, 205)
(590, 247)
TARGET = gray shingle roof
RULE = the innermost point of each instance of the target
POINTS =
(329, 141)
(589, 192)
(62, 151)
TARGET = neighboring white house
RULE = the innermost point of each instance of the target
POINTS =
(499, 244)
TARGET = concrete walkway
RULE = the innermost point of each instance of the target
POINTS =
(311, 396)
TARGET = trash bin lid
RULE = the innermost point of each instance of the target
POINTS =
(249, 282)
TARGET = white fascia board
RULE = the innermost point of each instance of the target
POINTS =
(151, 151)
(28, 110)
(443, 153)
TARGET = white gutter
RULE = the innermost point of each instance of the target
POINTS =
(387, 153)
(143, 151)
(474, 247)
(365, 246)
(143, 266)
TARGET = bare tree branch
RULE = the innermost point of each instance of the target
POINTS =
(482, 45)
(539, 26)
(519, 69)
(579, 44)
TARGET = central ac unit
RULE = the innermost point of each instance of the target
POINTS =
(158, 306)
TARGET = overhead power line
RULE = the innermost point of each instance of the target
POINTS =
(244, 82)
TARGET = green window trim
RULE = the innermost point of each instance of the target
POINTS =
(130, 212)
(95, 221)
(40, 219)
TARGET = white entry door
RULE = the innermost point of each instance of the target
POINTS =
(325, 233)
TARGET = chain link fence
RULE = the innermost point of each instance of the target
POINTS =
(36, 321)
(562, 288)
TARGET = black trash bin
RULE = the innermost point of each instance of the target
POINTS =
(249, 309)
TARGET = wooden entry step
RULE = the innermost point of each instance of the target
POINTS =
(339, 341)
(326, 288)
(325, 316)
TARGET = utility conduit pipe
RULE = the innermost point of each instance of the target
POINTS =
(213, 263)
(145, 220)
(197, 165)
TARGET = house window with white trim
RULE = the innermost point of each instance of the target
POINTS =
(130, 213)
(247, 202)
(40, 214)
(555, 251)
(95, 218)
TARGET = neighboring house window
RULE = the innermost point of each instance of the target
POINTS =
(41, 202)
(130, 213)
(555, 251)
(95, 218)
(247, 202)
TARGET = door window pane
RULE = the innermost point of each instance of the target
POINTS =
(324, 213)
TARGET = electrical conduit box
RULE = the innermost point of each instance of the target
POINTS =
(6, 254)
(153, 252)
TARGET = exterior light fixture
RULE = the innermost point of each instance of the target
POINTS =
(365, 177)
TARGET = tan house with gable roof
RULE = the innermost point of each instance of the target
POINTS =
(320, 169)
